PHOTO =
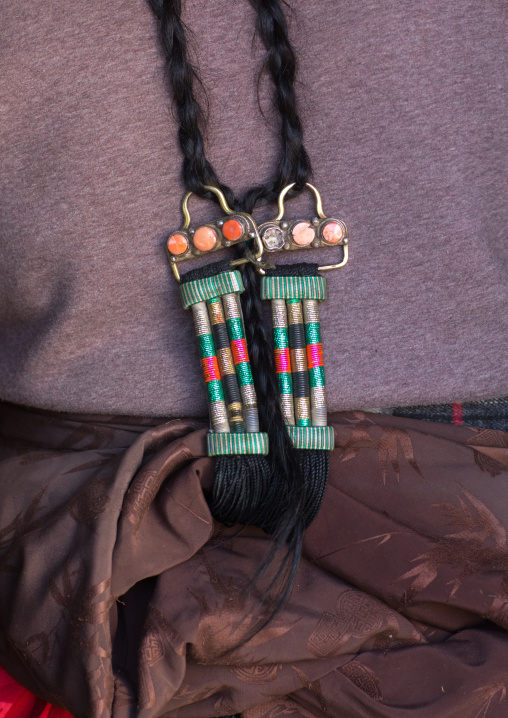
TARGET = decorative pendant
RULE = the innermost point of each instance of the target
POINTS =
(191, 242)
(220, 330)
(294, 291)
(321, 231)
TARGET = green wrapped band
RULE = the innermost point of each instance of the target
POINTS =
(280, 338)
(312, 437)
(231, 444)
(317, 376)
(235, 329)
(313, 333)
(285, 382)
(303, 423)
(244, 373)
(214, 391)
(202, 289)
(206, 346)
(293, 288)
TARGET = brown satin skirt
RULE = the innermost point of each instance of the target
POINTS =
(119, 595)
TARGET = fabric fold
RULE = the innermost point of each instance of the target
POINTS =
(120, 596)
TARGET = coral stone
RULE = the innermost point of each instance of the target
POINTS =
(303, 234)
(333, 232)
(232, 229)
(178, 244)
(204, 239)
(273, 238)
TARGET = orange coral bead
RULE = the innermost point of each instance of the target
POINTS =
(303, 234)
(333, 232)
(177, 244)
(232, 229)
(204, 239)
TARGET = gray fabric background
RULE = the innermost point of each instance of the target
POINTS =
(406, 116)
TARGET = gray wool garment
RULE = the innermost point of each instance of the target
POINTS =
(405, 112)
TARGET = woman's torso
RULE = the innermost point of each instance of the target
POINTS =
(405, 113)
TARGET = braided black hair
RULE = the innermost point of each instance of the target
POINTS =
(281, 63)
(181, 78)
(294, 163)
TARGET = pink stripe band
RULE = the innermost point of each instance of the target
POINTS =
(314, 355)
(210, 368)
(239, 349)
(282, 361)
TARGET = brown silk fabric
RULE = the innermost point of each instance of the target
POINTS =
(404, 106)
(120, 596)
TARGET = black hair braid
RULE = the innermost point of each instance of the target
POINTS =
(181, 78)
(282, 510)
(281, 63)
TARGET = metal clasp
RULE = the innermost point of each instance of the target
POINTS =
(322, 231)
(235, 228)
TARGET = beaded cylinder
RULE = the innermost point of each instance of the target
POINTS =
(283, 359)
(225, 360)
(238, 344)
(298, 354)
(300, 371)
(226, 365)
(209, 362)
(315, 362)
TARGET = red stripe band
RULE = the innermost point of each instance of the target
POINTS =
(239, 349)
(314, 355)
(282, 361)
(457, 416)
(210, 368)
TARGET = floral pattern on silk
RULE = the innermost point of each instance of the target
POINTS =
(121, 596)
